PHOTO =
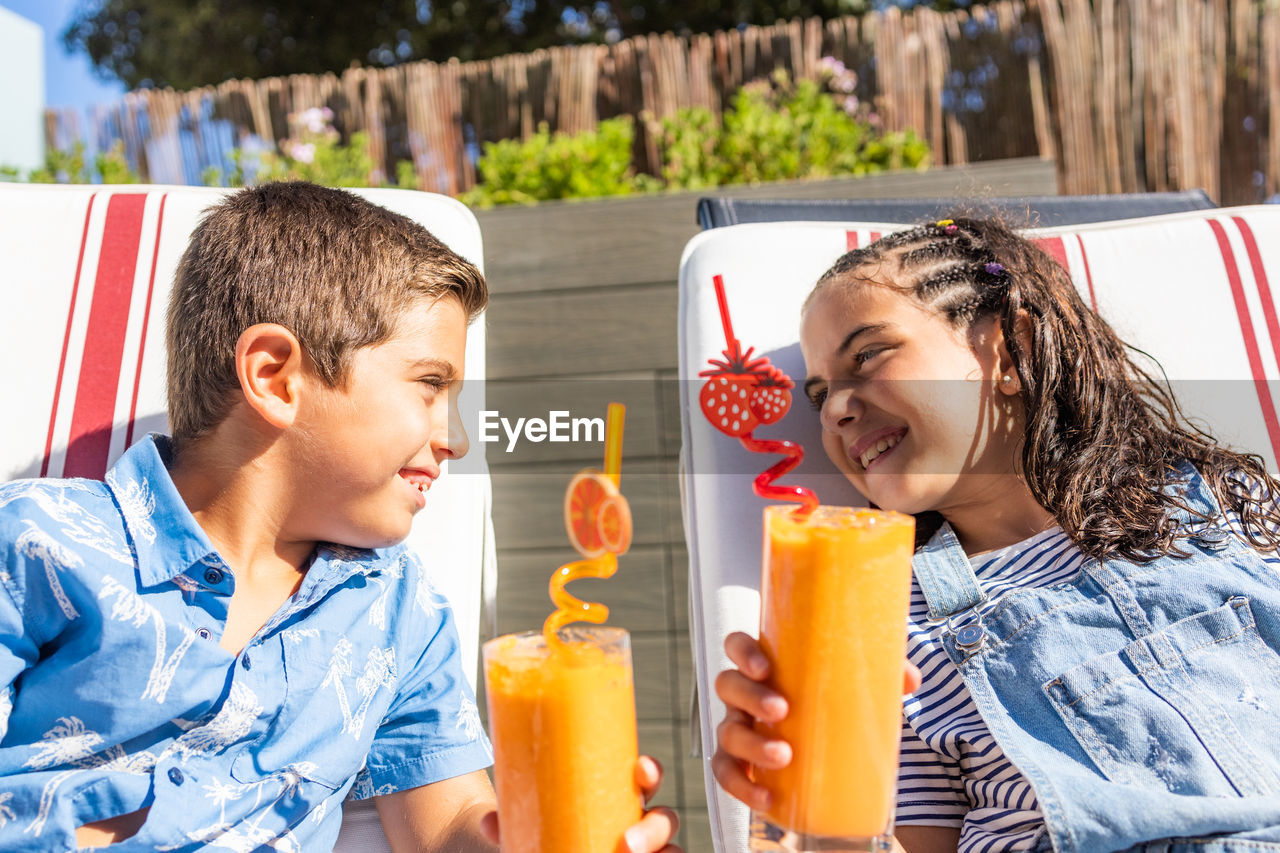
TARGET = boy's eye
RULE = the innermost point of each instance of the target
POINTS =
(439, 383)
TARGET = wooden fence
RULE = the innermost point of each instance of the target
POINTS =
(1125, 95)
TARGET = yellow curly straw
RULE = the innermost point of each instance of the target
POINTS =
(568, 607)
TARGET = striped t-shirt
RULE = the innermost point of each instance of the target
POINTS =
(952, 772)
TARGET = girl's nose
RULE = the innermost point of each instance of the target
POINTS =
(840, 409)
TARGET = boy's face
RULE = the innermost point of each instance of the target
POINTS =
(367, 453)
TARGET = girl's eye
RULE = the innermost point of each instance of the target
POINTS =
(866, 355)
(817, 398)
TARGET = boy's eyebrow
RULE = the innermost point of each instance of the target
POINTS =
(444, 368)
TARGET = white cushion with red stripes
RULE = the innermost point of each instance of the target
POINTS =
(87, 272)
(1193, 290)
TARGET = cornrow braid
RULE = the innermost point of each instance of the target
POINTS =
(958, 244)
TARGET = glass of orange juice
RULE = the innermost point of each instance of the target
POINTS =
(563, 724)
(834, 592)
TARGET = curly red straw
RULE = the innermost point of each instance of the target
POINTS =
(764, 484)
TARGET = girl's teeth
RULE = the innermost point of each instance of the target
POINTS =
(869, 455)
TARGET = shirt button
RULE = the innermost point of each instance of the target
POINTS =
(244, 661)
(204, 633)
(213, 577)
(175, 776)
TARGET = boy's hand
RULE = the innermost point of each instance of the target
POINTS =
(746, 700)
(652, 834)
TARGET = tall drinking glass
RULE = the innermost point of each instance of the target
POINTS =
(834, 591)
(563, 723)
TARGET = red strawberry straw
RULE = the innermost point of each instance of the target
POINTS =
(764, 484)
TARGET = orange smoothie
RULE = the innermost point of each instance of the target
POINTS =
(563, 724)
(834, 592)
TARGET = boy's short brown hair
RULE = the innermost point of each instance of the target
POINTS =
(333, 268)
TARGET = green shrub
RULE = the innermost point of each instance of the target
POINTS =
(780, 130)
(68, 166)
(550, 166)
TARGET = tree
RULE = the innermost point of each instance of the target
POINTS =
(189, 43)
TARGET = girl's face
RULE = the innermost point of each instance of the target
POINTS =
(911, 407)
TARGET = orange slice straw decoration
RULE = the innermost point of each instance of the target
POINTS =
(598, 521)
(769, 399)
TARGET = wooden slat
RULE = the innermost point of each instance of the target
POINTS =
(637, 595)
(582, 398)
(528, 507)
(695, 830)
(607, 330)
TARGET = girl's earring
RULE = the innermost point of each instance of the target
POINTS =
(1008, 383)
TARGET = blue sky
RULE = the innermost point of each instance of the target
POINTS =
(68, 80)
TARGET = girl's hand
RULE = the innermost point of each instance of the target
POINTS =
(654, 832)
(747, 699)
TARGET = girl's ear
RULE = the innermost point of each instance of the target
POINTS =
(1009, 383)
(269, 364)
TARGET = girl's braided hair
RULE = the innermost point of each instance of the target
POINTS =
(1103, 437)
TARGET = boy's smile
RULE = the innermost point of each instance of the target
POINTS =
(368, 451)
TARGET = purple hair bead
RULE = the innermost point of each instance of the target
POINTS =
(995, 269)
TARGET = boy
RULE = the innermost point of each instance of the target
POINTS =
(213, 646)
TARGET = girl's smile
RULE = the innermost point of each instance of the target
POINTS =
(873, 447)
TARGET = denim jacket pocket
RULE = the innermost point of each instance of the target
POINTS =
(1189, 709)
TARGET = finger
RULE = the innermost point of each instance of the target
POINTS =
(654, 831)
(751, 697)
(910, 679)
(489, 826)
(648, 776)
(732, 776)
(744, 651)
(744, 743)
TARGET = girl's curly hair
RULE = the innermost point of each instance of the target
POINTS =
(1104, 437)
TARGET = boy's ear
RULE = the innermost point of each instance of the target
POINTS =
(269, 366)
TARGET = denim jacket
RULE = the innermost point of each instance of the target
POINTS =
(1141, 701)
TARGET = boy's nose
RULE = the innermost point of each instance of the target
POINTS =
(455, 444)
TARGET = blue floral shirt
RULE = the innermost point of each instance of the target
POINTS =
(116, 695)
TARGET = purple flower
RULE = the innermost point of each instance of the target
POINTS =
(995, 269)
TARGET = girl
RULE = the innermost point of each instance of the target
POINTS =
(1095, 609)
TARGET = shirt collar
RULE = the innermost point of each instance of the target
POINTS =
(168, 541)
(166, 538)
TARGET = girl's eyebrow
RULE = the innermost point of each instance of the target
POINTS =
(848, 341)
